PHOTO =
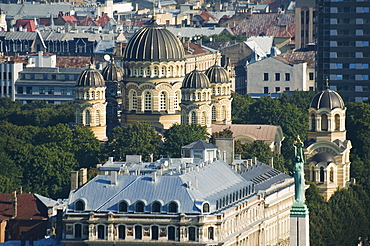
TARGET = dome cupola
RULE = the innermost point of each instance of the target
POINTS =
(154, 43)
(196, 80)
(90, 78)
(112, 72)
(217, 74)
(327, 99)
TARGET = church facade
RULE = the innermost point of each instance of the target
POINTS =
(327, 148)
(154, 86)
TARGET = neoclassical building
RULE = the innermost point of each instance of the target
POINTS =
(195, 200)
(327, 148)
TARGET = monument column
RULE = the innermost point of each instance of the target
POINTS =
(299, 218)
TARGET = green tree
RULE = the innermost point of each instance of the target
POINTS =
(178, 136)
(139, 138)
(240, 108)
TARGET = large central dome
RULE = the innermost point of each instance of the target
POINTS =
(154, 43)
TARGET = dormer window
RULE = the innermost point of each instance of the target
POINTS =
(123, 207)
(156, 207)
(79, 206)
(206, 207)
(139, 207)
(172, 207)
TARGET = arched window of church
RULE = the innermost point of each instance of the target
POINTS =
(337, 122)
(199, 96)
(322, 175)
(97, 118)
(87, 118)
(163, 101)
(213, 113)
(204, 118)
(331, 174)
(194, 117)
(155, 71)
(313, 174)
(133, 100)
(169, 71)
(148, 101)
(163, 71)
(140, 71)
(147, 73)
(223, 112)
(324, 122)
(176, 100)
(218, 90)
(204, 96)
(313, 122)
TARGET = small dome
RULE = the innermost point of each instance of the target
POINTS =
(196, 80)
(112, 72)
(323, 157)
(154, 43)
(327, 99)
(90, 78)
(217, 74)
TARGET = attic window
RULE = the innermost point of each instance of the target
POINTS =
(206, 208)
(79, 206)
(172, 207)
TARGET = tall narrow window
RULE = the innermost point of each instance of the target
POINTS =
(171, 233)
(313, 174)
(313, 122)
(101, 232)
(204, 118)
(213, 113)
(331, 174)
(133, 100)
(139, 207)
(148, 101)
(324, 122)
(223, 112)
(337, 122)
(191, 232)
(194, 117)
(176, 101)
(211, 233)
(155, 233)
(206, 208)
(87, 118)
(97, 118)
(138, 232)
(78, 230)
(322, 173)
(163, 101)
(121, 232)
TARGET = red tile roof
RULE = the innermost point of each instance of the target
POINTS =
(206, 16)
(103, 21)
(70, 19)
(29, 207)
(297, 56)
(28, 24)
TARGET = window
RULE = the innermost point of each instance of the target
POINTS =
(324, 122)
(172, 207)
(97, 118)
(138, 232)
(213, 113)
(211, 233)
(121, 232)
(277, 89)
(148, 100)
(310, 75)
(156, 207)
(163, 101)
(123, 207)
(139, 207)
(287, 88)
(313, 122)
(87, 118)
(155, 232)
(277, 76)
(194, 117)
(63, 91)
(265, 90)
(50, 90)
(171, 233)
(28, 90)
(191, 232)
(287, 76)
(20, 90)
(337, 122)
(79, 206)
(265, 76)
(204, 118)
(206, 208)
(78, 230)
(176, 100)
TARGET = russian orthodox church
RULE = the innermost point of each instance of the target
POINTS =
(154, 86)
(327, 148)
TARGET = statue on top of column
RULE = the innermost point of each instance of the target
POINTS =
(298, 171)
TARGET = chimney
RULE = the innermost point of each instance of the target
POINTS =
(154, 177)
(113, 177)
(271, 162)
(74, 180)
(14, 203)
(83, 177)
(255, 160)
(151, 157)
(59, 226)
